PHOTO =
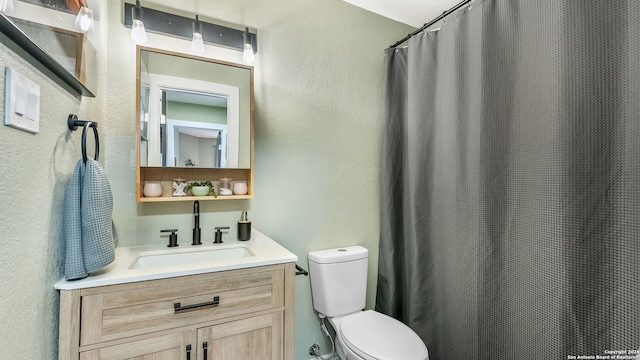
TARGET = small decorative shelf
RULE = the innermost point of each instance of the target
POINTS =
(193, 198)
(165, 176)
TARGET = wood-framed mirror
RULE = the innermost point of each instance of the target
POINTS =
(194, 121)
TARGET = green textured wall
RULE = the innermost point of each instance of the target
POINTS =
(318, 91)
(34, 171)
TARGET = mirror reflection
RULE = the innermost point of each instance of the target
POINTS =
(193, 112)
(66, 46)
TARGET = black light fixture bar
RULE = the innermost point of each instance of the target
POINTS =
(163, 23)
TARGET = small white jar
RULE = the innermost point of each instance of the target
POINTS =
(240, 188)
(152, 189)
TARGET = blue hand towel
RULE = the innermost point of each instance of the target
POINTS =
(90, 236)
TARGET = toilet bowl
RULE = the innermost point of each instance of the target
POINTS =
(370, 335)
(338, 286)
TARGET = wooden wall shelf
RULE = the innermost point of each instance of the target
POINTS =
(165, 176)
(193, 198)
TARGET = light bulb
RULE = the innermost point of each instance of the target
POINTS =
(247, 54)
(197, 45)
(138, 34)
(84, 20)
(7, 6)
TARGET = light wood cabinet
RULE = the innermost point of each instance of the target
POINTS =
(236, 314)
(256, 338)
(165, 347)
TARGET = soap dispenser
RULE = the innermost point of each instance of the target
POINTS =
(244, 227)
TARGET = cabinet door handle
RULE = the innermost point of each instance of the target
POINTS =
(204, 350)
(189, 352)
(180, 309)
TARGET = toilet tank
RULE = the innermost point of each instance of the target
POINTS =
(339, 280)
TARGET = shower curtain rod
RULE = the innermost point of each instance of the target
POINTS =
(425, 26)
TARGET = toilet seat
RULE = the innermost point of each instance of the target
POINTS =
(375, 336)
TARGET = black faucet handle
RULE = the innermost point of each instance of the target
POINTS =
(218, 238)
(173, 237)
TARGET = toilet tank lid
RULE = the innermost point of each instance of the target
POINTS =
(337, 255)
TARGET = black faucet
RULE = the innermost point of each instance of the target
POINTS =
(196, 225)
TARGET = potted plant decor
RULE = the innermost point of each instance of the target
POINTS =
(202, 188)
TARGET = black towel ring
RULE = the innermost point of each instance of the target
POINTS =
(73, 123)
(92, 125)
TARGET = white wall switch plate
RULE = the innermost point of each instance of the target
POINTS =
(21, 102)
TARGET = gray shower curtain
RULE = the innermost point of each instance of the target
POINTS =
(510, 175)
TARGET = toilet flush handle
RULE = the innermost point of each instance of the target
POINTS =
(301, 271)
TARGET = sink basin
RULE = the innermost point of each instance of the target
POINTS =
(164, 258)
(153, 262)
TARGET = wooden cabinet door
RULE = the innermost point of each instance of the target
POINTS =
(255, 338)
(178, 346)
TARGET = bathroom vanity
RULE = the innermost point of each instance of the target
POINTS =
(234, 307)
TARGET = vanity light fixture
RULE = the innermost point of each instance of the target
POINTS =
(197, 45)
(138, 33)
(164, 23)
(7, 6)
(84, 20)
(247, 55)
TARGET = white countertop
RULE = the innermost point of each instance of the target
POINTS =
(265, 250)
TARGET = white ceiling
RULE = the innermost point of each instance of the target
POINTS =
(196, 98)
(411, 12)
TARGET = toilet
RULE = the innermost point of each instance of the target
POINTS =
(339, 289)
